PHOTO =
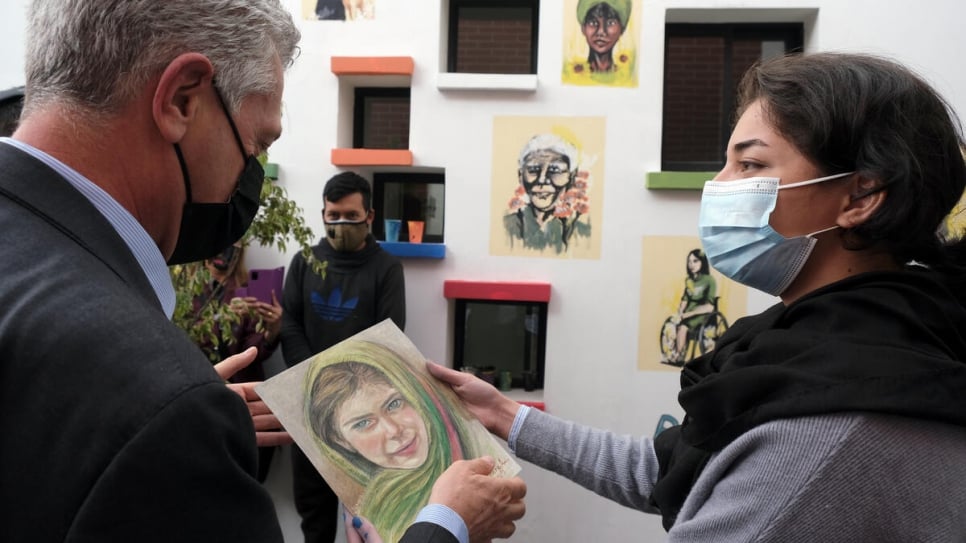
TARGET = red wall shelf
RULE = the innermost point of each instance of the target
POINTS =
(497, 290)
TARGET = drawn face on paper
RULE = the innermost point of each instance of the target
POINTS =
(694, 264)
(602, 28)
(379, 424)
(545, 174)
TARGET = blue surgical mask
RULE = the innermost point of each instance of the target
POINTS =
(740, 243)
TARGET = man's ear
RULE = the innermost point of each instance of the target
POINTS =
(370, 216)
(865, 197)
(179, 93)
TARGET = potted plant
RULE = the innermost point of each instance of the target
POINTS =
(279, 222)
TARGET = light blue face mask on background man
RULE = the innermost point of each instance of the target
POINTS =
(740, 243)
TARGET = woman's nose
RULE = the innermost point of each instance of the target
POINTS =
(392, 427)
(544, 178)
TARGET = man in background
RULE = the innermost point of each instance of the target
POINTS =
(363, 285)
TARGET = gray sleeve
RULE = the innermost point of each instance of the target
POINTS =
(836, 478)
(620, 468)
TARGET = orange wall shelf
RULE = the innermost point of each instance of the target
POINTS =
(372, 65)
(372, 157)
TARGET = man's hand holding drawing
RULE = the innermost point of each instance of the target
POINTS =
(488, 505)
(268, 429)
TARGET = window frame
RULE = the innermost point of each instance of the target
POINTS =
(459, 340)
(453, 30)
(791, 33)
(379, 179)
(360, 94)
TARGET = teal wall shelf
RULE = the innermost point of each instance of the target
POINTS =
(414, 250)
(271, 170)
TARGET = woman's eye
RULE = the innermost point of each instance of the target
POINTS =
(394, 404)
(361, 425)
(747, 166)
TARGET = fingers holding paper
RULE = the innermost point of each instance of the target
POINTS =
(268, 429)
(488, 505)
(487, 404)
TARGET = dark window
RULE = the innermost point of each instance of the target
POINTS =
(703, 64)
(381, 118)
(502, 336)
(409, 197)
(493, 36)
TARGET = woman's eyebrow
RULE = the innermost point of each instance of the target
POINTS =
(391, 396)
(356, 418)
(742, 145)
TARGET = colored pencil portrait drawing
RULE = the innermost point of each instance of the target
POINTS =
(685, 304)
(600, 46)
(547, 186)
(954, 226)
(377, 426)
(338, 10)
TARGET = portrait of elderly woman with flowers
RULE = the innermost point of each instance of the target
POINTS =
(551, 205)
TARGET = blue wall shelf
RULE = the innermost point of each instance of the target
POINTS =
(414, 250)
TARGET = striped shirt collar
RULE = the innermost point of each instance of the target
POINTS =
(143, 248)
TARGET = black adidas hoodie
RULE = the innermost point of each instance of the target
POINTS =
(360, 289)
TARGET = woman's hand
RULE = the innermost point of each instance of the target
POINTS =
(359, 529)
(271, 315)
(492, 408)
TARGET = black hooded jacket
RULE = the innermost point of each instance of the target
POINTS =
(883, 342)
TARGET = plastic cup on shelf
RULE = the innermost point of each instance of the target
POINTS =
(392, 229)
(416, 231)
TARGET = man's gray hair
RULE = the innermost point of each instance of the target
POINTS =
(550, 142)
(96, 55)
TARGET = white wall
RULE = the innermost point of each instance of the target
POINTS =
(592, 374)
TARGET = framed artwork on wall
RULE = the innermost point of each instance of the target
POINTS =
(685, 305)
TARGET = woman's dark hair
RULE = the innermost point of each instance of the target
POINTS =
(848, 112)
(699, 254)
(346, 183)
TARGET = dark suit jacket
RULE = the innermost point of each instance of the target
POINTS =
(425, 532)
(115, 428)
(114, 425)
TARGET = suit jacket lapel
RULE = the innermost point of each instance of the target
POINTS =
(36, 187)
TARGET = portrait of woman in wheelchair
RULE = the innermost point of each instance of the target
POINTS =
(693, 330)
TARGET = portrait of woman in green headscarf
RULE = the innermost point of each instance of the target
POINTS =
(601, 49)
(391, 430)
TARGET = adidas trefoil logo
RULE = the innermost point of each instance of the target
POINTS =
(333, 309)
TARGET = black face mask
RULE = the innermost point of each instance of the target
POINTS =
(207, 229)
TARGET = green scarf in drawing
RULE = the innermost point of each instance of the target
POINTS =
(389, 497)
